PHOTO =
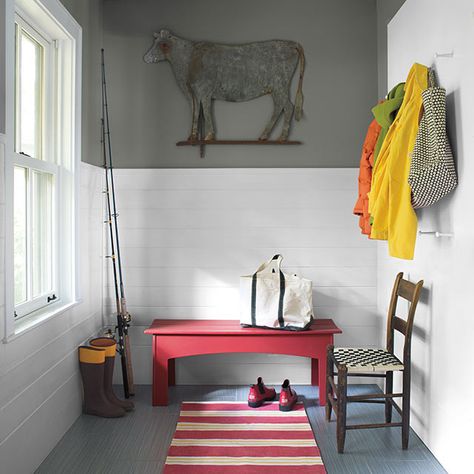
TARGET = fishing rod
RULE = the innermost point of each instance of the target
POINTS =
(120, 320)
(123, 316)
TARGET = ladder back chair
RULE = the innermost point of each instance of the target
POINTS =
(371, 362)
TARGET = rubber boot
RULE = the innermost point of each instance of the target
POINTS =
(288, 397)
(259, 394)
(110, 347)
(92, 364)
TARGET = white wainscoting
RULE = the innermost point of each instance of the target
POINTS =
(40, 389)
(187, 235)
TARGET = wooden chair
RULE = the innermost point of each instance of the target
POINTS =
(366, 361)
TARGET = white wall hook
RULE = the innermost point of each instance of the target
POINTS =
(435, 233)
(449, 54)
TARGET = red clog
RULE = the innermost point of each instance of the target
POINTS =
(259, 394)
(288, 397)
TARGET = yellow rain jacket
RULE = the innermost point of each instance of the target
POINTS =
(390, 197)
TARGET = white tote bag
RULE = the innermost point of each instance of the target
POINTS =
(273, 299)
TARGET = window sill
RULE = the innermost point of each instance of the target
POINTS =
(28, 323)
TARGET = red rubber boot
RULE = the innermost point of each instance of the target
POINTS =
(259, 394)
(288, 397)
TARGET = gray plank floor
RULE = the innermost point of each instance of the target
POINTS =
(138, 442)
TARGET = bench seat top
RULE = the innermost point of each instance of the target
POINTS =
(182, 327)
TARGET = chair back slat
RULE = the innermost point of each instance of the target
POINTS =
(400, 325)
(406, 289)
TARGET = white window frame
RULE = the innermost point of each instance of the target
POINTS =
(54, 23)
(47, 43)
(47, 161)
(24, 310)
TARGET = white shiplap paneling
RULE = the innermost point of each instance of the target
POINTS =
(187, 235)
(40, 390)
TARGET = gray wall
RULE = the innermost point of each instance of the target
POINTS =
(386, 10)
(159, 117)
(149, 114)
(88, 13)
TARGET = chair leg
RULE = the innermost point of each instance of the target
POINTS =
(329, 376)
(406, 408)
(388, 402)
(341, 407)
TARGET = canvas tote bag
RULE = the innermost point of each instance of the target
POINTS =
(273, 299)
(432, 172)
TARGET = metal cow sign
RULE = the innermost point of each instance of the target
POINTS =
(209, 71)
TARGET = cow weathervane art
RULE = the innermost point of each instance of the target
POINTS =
(208, 71)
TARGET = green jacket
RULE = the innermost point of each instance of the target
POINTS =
(385, 113)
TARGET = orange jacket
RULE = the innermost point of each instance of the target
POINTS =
(361, 207)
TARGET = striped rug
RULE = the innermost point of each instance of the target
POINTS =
(230, 437)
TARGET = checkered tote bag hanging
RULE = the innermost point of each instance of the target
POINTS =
(432, 172)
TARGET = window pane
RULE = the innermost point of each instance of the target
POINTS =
(19, 231)
(41, 232)
(29, 86)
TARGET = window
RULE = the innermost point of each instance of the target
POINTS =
(33, 239)
(43, 152)
(29, 87)
(35, 172)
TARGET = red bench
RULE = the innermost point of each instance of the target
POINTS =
(182, 338)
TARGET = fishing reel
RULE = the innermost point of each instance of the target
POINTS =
(127, 318)
(109, 334)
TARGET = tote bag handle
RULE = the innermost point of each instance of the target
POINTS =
(432, 81)
(272, 266)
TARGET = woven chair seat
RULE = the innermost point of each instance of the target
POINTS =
(366, 359)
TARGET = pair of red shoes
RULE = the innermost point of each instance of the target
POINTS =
(259, 394)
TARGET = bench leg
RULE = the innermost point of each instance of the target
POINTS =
(314, 372)
(318, 377)
(322, 381)
(171, 373)
(160, 376)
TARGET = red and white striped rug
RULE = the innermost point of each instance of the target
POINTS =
(230, 437)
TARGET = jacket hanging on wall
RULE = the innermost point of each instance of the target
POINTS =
(361, 207)
(273, 299)
(390, 197)
(432, 171)
(385, 113)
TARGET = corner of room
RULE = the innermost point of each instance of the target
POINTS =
(233, 236)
